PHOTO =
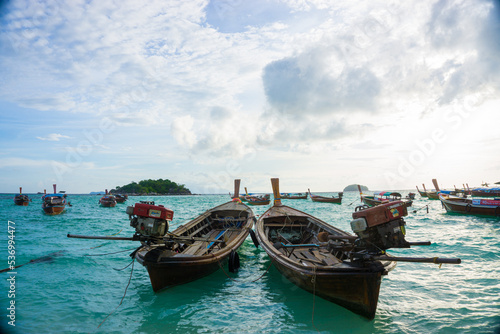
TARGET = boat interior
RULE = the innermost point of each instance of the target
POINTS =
(209, 234)
(303, 241)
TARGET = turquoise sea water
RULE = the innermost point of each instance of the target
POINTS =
(71, 290)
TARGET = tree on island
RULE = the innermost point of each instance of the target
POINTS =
(159, 186)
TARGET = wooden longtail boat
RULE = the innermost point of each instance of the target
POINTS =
(485, 192)
(107, 201)
(331, 263)
(484, 207)
(431, 194)
(323, 199)
(422, 193)
(254, 199)
(257, 200)
(20, 199)
(53, 204)
(293, 196)
(121, 198)
(316, 256)
(382, 197)
(196, 249)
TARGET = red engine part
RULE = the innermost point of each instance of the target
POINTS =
(382, 213)
(153, 211)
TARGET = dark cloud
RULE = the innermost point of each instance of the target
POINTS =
(304, 85)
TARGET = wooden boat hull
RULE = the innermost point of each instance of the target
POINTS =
(353, 285)
(121, 199)
(422, 193)
(53, 204)
(337, 200)
(323, 199)
(177, 271)
(181, 263)
(485, 192)
(21, 201)
(293, 197)
(432, 195)
(357, 292)
(108, 201)
(467, 206)
(53, 210)
(266, 202)
(371, 201)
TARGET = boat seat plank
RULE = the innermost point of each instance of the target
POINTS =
(196, 246)
(307, 256)
(192, 249)
(301, 259)
(204, 225)
(328, 258)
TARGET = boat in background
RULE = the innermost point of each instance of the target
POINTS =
(333, 264)
(121, 198)
(107, 201)
(254, 199)
(382, 197)
(472, 206)
(20, 199)
(410, 196)
(54, 204)
(422, 193)
(485, 192)
(293, 196)
(258, 200)
(431, 194)
(324, 199)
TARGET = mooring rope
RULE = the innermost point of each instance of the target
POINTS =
(313, 281)
(124, 294)
(124, 267)
(425, 206)
(122, 251)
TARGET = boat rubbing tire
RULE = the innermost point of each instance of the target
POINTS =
(361, 207)
(468, 207)
(497, 211)
(254, 238)
(234, 262)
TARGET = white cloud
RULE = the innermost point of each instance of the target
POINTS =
(183, 132)
(54, 137)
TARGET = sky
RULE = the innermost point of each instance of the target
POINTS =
(322, 94)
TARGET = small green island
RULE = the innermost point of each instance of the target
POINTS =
(152, 187)
(354, 187)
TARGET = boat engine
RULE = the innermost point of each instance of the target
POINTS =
(380, 227)
(149, 219)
